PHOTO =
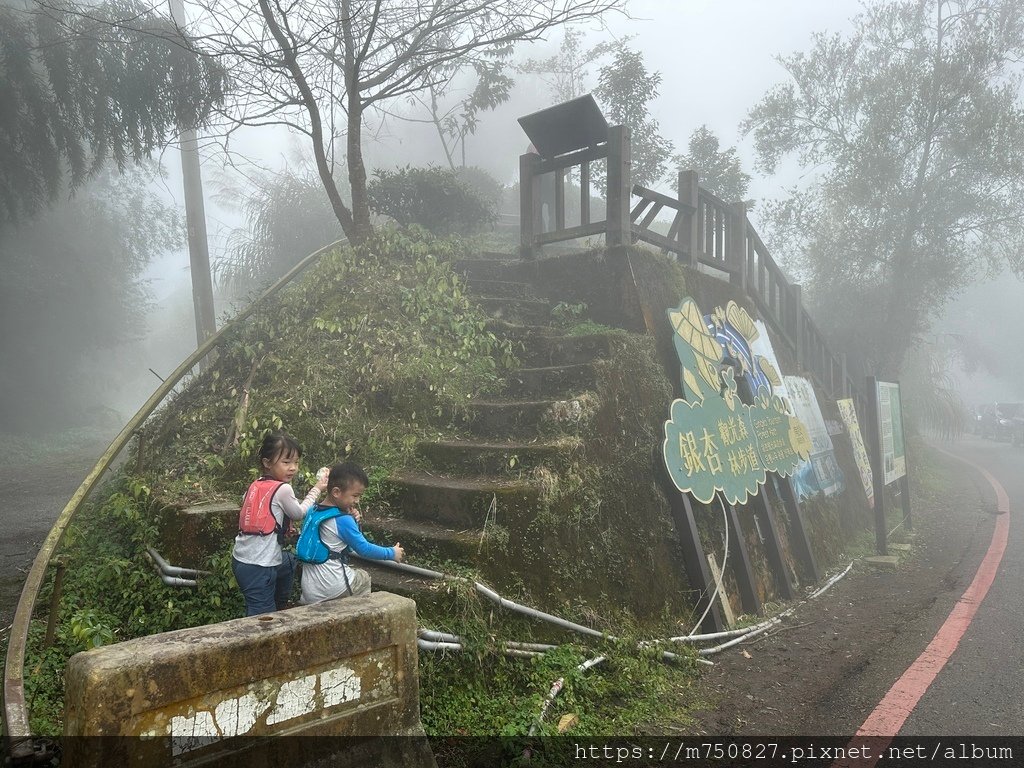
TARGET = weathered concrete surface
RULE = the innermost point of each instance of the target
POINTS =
(244, 690)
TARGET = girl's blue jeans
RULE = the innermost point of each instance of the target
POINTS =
(265, 588)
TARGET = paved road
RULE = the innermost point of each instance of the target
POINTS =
(34, 494)
(980, 689)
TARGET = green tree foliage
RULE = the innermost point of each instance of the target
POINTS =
(70, 289)
(434, 198)
(719, 171)
(625, 90)
(79, 89)
(287, 215)
(912, 132)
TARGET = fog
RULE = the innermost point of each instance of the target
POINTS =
(716, 60)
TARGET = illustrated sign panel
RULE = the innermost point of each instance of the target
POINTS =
(821, 473)
(848, 413)
(890, 425)
(713, 441)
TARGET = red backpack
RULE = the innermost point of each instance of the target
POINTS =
(255, 517)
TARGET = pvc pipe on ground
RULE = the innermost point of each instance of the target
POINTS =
(173, 570)
(413, 569)
(434, 645)
(831, 581)
(493, 596)
(171, 581)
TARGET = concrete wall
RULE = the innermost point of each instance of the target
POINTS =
(242, 691)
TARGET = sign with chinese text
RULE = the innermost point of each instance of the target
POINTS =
(890, 426)
(849, 416)
(820, 473)
(713, 441)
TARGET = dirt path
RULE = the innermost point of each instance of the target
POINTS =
(836, 656)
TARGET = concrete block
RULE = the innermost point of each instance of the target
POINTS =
(242, 691)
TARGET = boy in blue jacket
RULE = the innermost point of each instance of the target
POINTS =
(341, 535)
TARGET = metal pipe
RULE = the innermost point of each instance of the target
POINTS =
(830, 582)
(173, 570)
(432, 645)
(413, 569)
(168, 579)
(493, 596)
(444, 637)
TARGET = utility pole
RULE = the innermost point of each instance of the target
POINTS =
(195, 218)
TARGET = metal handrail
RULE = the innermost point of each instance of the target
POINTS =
(15, 712)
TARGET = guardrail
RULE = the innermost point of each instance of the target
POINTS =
(705, 230)
(15, 712)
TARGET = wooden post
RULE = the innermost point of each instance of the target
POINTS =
(845, 388)
(740, 561)
(736, 245)
(773, 545)
(689, 229)
(905, 480)
(877, 466)
(697, 570)
(585, 192)
(696, 564)
(620, 187)
(529, 204)
(560, 199)
(798, 306)
(798, 532)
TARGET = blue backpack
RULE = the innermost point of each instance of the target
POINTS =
(310, 549)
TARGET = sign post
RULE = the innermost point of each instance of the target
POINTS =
(718, 446)
(888, 452)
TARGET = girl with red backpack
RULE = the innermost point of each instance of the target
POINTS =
(262, 569)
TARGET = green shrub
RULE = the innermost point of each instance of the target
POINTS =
(434, 198)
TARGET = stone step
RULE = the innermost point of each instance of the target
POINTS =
(420, 538)
(550, 350)
(550, 380)
(521, 418)
(462, 501)
(489, 269)
(519, 332)
(505, 289)
(525, 311)
(492, 457)
(499, 256)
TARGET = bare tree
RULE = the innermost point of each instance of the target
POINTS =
(320, 67)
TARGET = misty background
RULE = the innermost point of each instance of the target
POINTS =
(86, 347)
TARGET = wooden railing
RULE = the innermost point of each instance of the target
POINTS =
(705, 231)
